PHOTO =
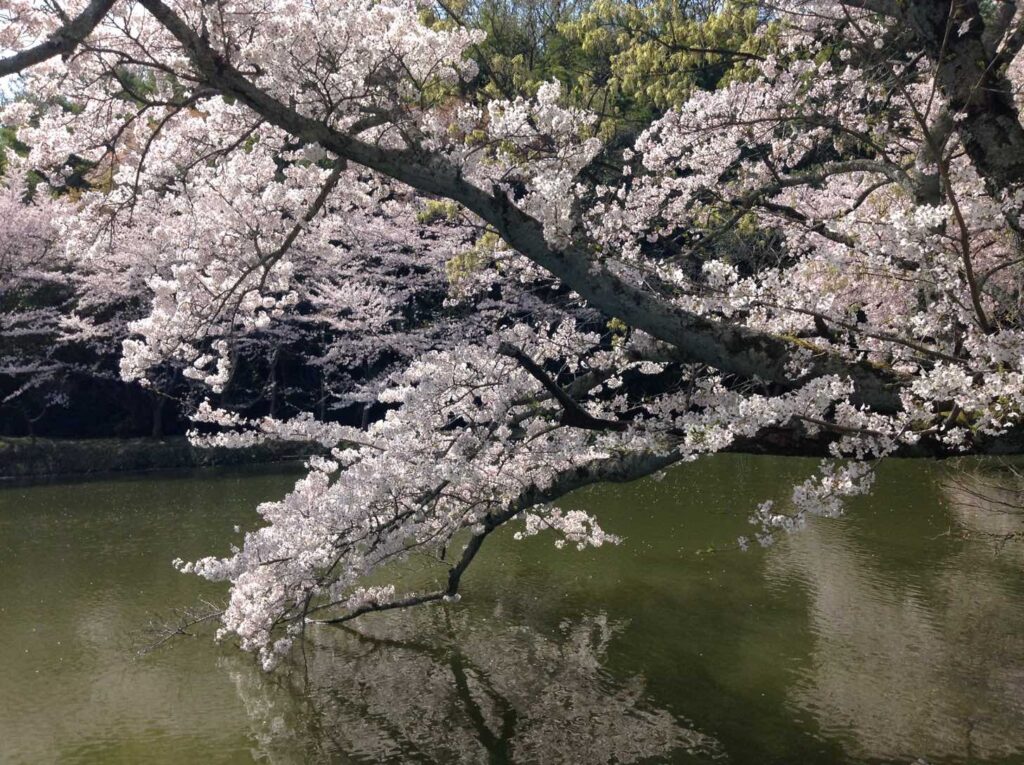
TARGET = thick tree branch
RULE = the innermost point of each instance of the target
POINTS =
(978, 93)
(61, 42)
(729, 348)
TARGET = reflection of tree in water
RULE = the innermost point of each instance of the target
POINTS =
(439, 685)
(914, 662)
(987, 499)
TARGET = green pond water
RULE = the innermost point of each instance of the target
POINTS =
(894, 634)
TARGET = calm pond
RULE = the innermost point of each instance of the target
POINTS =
(878, 637)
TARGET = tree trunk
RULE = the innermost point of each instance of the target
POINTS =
(157, 430)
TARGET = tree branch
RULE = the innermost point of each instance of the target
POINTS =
(573, 414)
(977, 91)
(61, 42)
(619, 469)
(731, 349)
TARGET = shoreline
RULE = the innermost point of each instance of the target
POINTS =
(44, 458)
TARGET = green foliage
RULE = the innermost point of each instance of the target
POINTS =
(525, 45)
(657, 53)
(626, 60)
(10, 146)
(618, 329)
(137, 85)
(473, 260)
(437, 211)
(8, 143)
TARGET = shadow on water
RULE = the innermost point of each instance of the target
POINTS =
(895, 634)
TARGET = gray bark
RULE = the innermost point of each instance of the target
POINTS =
(61, 42)
(728, 348)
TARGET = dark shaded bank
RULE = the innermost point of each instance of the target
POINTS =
(42, 457)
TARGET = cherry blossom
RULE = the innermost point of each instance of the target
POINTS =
(823, 256)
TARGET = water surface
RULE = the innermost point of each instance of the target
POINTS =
(895, 634)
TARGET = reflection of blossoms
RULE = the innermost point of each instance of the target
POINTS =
(493, 691)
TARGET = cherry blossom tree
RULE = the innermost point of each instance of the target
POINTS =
(63, 318)
(30, 266)
(824, 256)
